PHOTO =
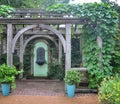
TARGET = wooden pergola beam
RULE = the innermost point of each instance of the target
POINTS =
(68, 48)
(21, 55)
(9, 44)
(60, 20)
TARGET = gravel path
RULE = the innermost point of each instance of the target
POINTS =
(26, 99)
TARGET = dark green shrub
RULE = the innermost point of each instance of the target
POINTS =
(3, 59)
(56, 71)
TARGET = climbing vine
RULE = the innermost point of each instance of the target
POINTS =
(103, 22)
(5, 11)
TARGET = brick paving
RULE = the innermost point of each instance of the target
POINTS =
(44, 88)
(48, 92)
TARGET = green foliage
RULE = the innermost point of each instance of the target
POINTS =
(115, 62)
(31, 3)
(72, 77)
(7, 74)
(103, 22)
(105, 1)
(13, 3)
(3, 59)
(46, 3)
(22, 3)
(5, 10)
(58, 8)
(56, 71)
(27, 59)
(76, 57)
(109, 90)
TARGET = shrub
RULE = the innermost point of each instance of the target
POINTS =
(8, 73)
(72, 77)
(56, 71)
(109, 91)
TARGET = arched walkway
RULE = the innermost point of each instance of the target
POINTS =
(57, 33)
(64, 40)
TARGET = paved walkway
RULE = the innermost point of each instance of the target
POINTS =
(29, 92)
(44, 88)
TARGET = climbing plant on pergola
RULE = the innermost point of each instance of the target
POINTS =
(98, 36)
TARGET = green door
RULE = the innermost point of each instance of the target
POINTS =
(41, 59)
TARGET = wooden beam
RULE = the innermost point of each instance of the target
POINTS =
(21, 56)
(44, 27)
(99, 42)
(56, 32)
(60, 52)
(19, 34)
(9, 45)
(68, 48)
(60, 20)
(82, 69)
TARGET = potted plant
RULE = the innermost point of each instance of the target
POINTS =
(7, 78)
(72, 78)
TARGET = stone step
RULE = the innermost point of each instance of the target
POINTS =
(85, 90)
(40, 80)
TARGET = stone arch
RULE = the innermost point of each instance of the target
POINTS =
(56, 32)
(36, 36)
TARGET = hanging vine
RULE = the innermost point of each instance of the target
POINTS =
(103, 23)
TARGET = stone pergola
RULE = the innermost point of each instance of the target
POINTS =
(42, 22)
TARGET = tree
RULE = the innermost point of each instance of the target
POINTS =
(62, 1)
(13, 3)
(105, 1)
(22, 3)
(47, 3)
(31, 3)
